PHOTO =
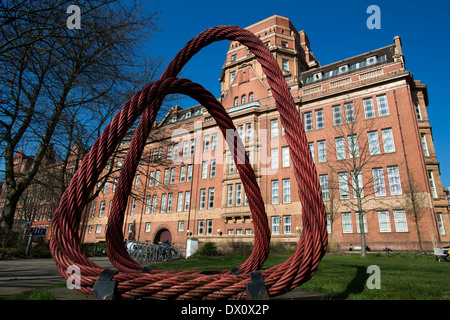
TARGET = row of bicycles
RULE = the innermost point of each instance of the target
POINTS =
(151, 252)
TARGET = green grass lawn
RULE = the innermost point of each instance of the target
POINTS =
(343, 277)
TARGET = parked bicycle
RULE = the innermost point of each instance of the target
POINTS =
(151, 252)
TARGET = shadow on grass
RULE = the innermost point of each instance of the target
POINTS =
(355, 286)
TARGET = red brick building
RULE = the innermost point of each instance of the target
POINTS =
(365, 118)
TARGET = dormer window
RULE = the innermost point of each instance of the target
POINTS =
(233, 57)
(371, 60)
(317, 76)
(174, 119)
(343, 68)
(188, 115)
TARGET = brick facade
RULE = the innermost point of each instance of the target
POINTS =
(371, 98)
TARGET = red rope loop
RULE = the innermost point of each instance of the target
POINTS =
(299, 268)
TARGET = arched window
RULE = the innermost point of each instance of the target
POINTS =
(250, 97)
(243, 99)
(236, 101)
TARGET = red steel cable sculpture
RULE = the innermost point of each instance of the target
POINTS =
(133, 281)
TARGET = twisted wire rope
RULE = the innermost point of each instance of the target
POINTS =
(132, 284)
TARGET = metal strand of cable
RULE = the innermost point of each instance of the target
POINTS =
(131, 282)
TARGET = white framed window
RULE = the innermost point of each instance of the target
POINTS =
(169, 152)
(202, 199)
(204, 169)
(251, 96)
(440, 223)
(130, 227)
(163, 202)
(172, 175)
(238, 194)
(98, 229)
(102, 209)
(378, 182)
(286, 190)
(432, 184)
(209, 227)
(347, 226)
(206, 143)
(182, 174)
(287, 225)
(212, 171)
(274, 158)
(180, 201)
(311, 149)
(374, 145)
(400, 222)
(230, 232)
(384, 221)
(358, 229)
(180, 225)
(383, 108)
(158, 173)
(275, 192)
(169, 202)
(148, 226)
(353, 150)
(192, 147)
(285, 65)
(285, 157)
(349, 112)
(147, 204)
(187, 199)
(214, 141)
(166, 176)
(388, 140)
(340, 148)
(133, 206)
(152, 177)
(154, 203)
(323, 180)
(343, 185)
(424, 145)
(322, 151)
(274, 128)
(369, 109)
(230, 195)
(275, 225)
(230, 164)
(308, 121)
(185, 148)
(106, 187)
(94, 206)
(337, 115)
(320, 124)
(419, 114)
(232, 77)
(248, 132)
(189, 172)
(358, 188)
(200, 227)
(395, 185)
(211, 198)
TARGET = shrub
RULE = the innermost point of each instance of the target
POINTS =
(208, 249)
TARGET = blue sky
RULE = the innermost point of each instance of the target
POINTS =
(336, 30)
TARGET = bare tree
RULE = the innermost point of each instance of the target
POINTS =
(415, 199)
(60, 86)
(356, 153)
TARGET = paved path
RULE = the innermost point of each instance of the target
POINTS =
(21, 275)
